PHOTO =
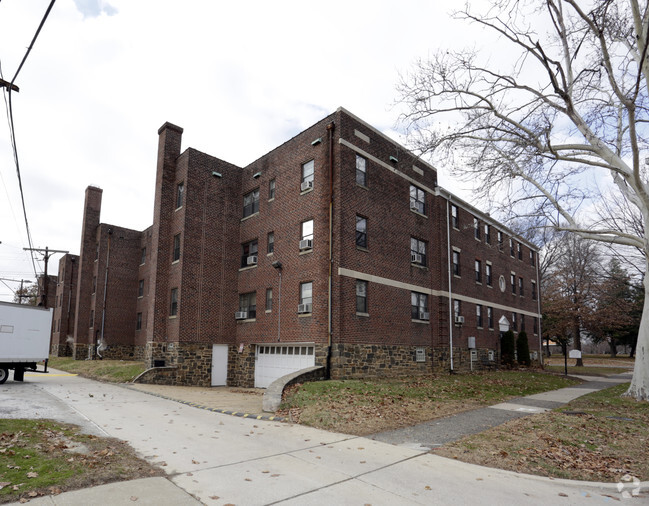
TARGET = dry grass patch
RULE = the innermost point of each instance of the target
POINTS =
(366, 407)
(114, 371)
(598, 437)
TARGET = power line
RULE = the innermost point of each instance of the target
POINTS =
(11, 87)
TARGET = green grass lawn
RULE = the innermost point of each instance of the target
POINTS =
(116, 371)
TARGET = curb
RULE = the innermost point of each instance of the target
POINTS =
(240, 414)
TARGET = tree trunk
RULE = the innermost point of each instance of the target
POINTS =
(577, 336)
(613, 347)
(639, 388)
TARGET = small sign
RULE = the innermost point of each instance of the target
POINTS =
(574, 354)
(420, 354)
(241, 345)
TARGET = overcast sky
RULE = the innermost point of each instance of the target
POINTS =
(239, 77)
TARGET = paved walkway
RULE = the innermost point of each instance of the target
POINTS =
(429, 435)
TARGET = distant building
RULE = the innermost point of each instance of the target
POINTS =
(337, 248)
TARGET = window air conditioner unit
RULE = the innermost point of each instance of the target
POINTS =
(252, 260)
(415, 257)
(459, 320)
(423, 315)
(306, 185)
(241, 315)
(306, 244)
(304, 308)
(414, 207)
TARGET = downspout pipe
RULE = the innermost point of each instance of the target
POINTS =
(451, 322)
(330, 131)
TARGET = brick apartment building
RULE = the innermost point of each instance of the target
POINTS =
(337, 248)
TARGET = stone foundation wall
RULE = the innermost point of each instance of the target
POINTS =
(158, 376)
(82, 351)
(123, 352)
(61, 350)
(364, 360)
(462, 360)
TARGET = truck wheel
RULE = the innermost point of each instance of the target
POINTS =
(4, 374)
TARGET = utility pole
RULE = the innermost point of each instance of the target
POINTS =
(20, 294)
(47, 253)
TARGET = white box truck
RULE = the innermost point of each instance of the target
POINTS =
(24, 338)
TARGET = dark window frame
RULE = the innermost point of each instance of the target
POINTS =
(361, 170)
(362, 304)
(251, 203)
(361, 233)
(418, 200)
(421, 248)
(248, 249)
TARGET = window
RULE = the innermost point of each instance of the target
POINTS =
(478, 316)
(270, 243)
(456, 263)
(143, 256)
(173, 306)
(417, 251)
(457, 308)
(490, 317)
(361, 231)
(94, 284)
(271, 189)
(138, 323)
(92, 318)
(533, 290)
(417, 199)
(307, 175)
(248, 304)
(361, 296)
(455, 221)
(511, 247)
(514, 323)
(306, 235)
(521, 290)
(488, 272)
(97, 252)
(512, 282)
(536, 325)
(176, 254)
(487, 233)
(251, 203)
(478, 271)
(476, 228)
(522, 322)
(140, 288)
(249, 254)
(532, 258)
(361, 170)
(306, 297)
(520, 250)
(180, 192)
(500, 240)
(269, 299)
(419, 306)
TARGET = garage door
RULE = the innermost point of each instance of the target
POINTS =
(275, 361)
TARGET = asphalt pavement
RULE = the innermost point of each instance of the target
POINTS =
(213, 458)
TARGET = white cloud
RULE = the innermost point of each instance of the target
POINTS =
(239, 77)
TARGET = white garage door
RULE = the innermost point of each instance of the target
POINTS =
(276, 360)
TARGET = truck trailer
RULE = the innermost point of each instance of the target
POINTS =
(24, 338)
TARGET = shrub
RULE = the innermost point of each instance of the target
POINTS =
(507, 348)
(523, 349)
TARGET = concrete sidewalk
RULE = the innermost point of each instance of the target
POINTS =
(428, 435)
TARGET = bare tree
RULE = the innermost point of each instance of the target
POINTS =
(568, 118)
(569, 287)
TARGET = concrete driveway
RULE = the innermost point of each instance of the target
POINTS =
(222, 459)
